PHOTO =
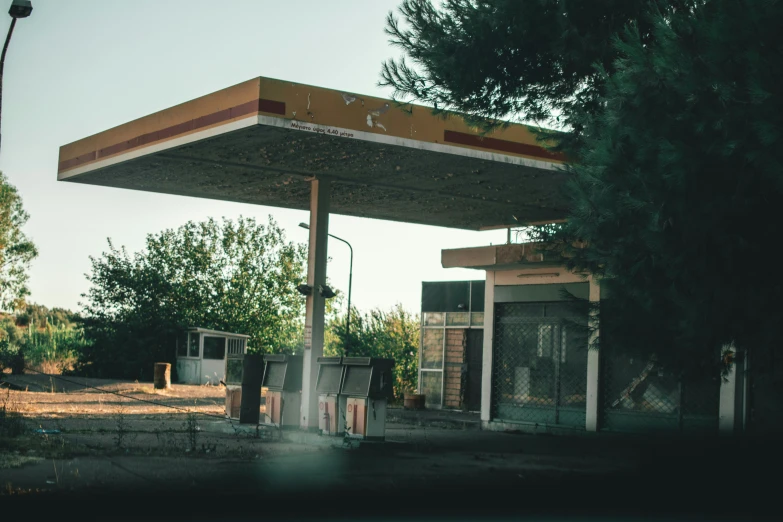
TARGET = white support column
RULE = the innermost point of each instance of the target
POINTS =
(486, 364)
(593, 364)
(727, 417)
(314, 318)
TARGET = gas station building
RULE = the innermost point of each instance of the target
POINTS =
(277, 143)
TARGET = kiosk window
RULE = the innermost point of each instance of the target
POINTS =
(214, 348)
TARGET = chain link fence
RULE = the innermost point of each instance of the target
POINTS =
(641, 396)
(540, 363)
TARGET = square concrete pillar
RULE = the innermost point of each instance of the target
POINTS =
(314, 318)
(489, 329)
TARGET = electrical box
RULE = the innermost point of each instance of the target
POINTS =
(367, 387)
(331, 406)
(283, 379)
(235, 359)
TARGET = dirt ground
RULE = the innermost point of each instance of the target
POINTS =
(71, 416)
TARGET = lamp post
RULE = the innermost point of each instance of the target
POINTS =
(19, 9)
(350, 278)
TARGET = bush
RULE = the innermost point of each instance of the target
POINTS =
(40, 345)
(391, 335)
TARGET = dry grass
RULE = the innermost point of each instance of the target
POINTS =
(15, 460)
(56, 367)
(11, 419)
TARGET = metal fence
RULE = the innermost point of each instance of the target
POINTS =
(641, 396)
(540, 363)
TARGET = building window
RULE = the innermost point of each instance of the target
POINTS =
(433, 319)
(182, 346)
(477, 319)
(214, 348)
(432, 349)
(432, 388)
(236, 347)
(545, 340)
(458, 319)
(193, 345)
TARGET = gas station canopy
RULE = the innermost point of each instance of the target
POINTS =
(263, 140)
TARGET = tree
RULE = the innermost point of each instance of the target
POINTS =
(16, 249)
(40, 316)
(232, 276)
(678, 193)
(671, 113)
(536, 60)
(11, 346)
(391, 335)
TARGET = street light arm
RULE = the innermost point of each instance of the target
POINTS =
(350, 283)
(344, 241)
(2, 63)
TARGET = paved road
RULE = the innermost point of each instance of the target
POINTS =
(419, 472)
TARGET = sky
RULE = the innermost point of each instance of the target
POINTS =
(78, 67)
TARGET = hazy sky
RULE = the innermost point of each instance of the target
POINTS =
(78, 67)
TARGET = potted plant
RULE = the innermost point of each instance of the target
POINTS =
(413, 400)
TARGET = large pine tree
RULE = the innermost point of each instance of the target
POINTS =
(677, 185)
(537, 60)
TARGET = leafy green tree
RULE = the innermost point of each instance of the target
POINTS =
(40, 316)
(671, 112)
(391, 335)
(238, 276)
(16, 249)
(11, 346)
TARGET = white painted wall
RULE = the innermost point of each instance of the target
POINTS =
(212, 371)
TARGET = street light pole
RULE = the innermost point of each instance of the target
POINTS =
(350, 278)
(19, 9)
(350, 282)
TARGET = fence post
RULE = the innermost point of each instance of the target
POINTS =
(593, 364)
(162, 376)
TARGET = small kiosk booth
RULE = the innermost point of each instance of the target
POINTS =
(203, 355)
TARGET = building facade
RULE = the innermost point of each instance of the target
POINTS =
(451, 349)
(539, 372)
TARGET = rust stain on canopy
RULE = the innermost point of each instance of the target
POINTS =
(262, 140)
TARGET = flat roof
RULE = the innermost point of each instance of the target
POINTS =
(500, 257)
(263, 140)
(216, 332)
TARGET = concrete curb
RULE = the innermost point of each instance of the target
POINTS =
(294, 436)
(436, 422)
